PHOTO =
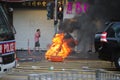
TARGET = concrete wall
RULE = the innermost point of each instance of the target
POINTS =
(26, 22)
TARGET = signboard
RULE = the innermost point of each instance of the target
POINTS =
(79, 7)
(30, 4)
(34, 4)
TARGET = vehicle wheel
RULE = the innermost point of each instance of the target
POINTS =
(97, 46)
(117, 62)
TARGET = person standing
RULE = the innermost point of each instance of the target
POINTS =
(36, 38)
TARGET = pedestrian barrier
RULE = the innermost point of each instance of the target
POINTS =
(76, 75)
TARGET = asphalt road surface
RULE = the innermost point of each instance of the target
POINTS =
(35, 63)
(38, 56)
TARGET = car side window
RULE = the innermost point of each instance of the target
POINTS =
(117, 30)
(110, 32)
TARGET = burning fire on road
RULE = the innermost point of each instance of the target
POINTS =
(62, 45)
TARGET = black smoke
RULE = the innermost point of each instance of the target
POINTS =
(87, 24)
(107, 9)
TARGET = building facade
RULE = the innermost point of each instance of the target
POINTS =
(31, 15)
(27, 20)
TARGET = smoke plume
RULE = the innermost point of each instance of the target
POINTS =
(87, 24)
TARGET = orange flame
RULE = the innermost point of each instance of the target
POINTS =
(59, 48)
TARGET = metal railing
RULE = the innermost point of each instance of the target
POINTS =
(76, 75)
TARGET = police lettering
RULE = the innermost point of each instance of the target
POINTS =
(8, 47)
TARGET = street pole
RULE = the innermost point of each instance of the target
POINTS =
(55, 17)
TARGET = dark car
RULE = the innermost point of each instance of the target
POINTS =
(107, 43)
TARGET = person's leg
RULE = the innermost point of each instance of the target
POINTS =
(35, 48)
(38, 46)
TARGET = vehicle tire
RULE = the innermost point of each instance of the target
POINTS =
(97, 46)
(117, 62)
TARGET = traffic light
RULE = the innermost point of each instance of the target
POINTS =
(60, 12)
(50, 10)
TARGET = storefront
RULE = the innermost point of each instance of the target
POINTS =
(27, 17)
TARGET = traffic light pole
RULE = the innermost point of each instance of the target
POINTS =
(55, 17)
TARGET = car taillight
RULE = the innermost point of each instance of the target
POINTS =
(103, 37)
